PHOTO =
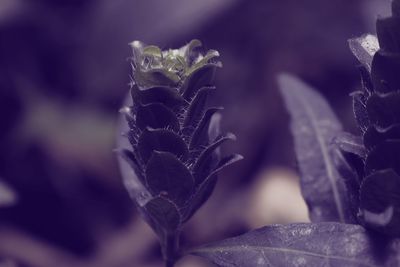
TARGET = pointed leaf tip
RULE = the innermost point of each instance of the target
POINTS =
(314, 125)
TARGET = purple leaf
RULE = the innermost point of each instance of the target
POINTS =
(200, 135)
(384, 156)
(384, 110)
(376, 136)
(308, 245)
(161, 140)
(159, 94)
(196, 107)
(314, 126)
(360, 109)
(156, 115)
(380, 201)
(385, 72)
(163, 215)
(351, 144)
(387, 31)
(167, 176)
(201, 77)
(200, 167)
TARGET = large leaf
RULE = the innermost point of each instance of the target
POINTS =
(308, 245)
(314, 126)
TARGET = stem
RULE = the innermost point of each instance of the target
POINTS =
(170, 249)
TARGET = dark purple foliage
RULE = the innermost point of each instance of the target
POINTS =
(344, 178)
(377, 110)
(174, 136)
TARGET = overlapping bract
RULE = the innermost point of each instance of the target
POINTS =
(174, 135)
(377, 111)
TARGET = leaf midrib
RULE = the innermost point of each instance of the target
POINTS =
(325, 155)
(282, 250)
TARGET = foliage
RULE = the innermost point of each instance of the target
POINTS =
(175, 137)
(345, 178)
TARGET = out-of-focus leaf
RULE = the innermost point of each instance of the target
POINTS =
(364, 48)
(396, 8)
(7, 195)
(351, 168)
(308, 245)
(314, 126)
(380, 201)
(167, 176)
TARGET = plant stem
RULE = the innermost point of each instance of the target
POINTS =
(170, 249)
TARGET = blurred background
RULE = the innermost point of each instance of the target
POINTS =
(64, 74)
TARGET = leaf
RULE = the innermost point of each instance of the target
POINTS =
(196, 107)
(385, 72)
(159, 77)
(205, 189)
(201, 76)
(7, 195)
(167, 176)
(200, 134)
(156, 115)
(161, 140)
(308, 245)
(350, 143)
(314, 126)
(364, 48)
(200, 167)
(163, 215)
(384, 156)
(135, 181)
(387, 31)
(351, 168)
(384, 110)
(380, 201)
(360, 109)
(376, 136)
(168, 96)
